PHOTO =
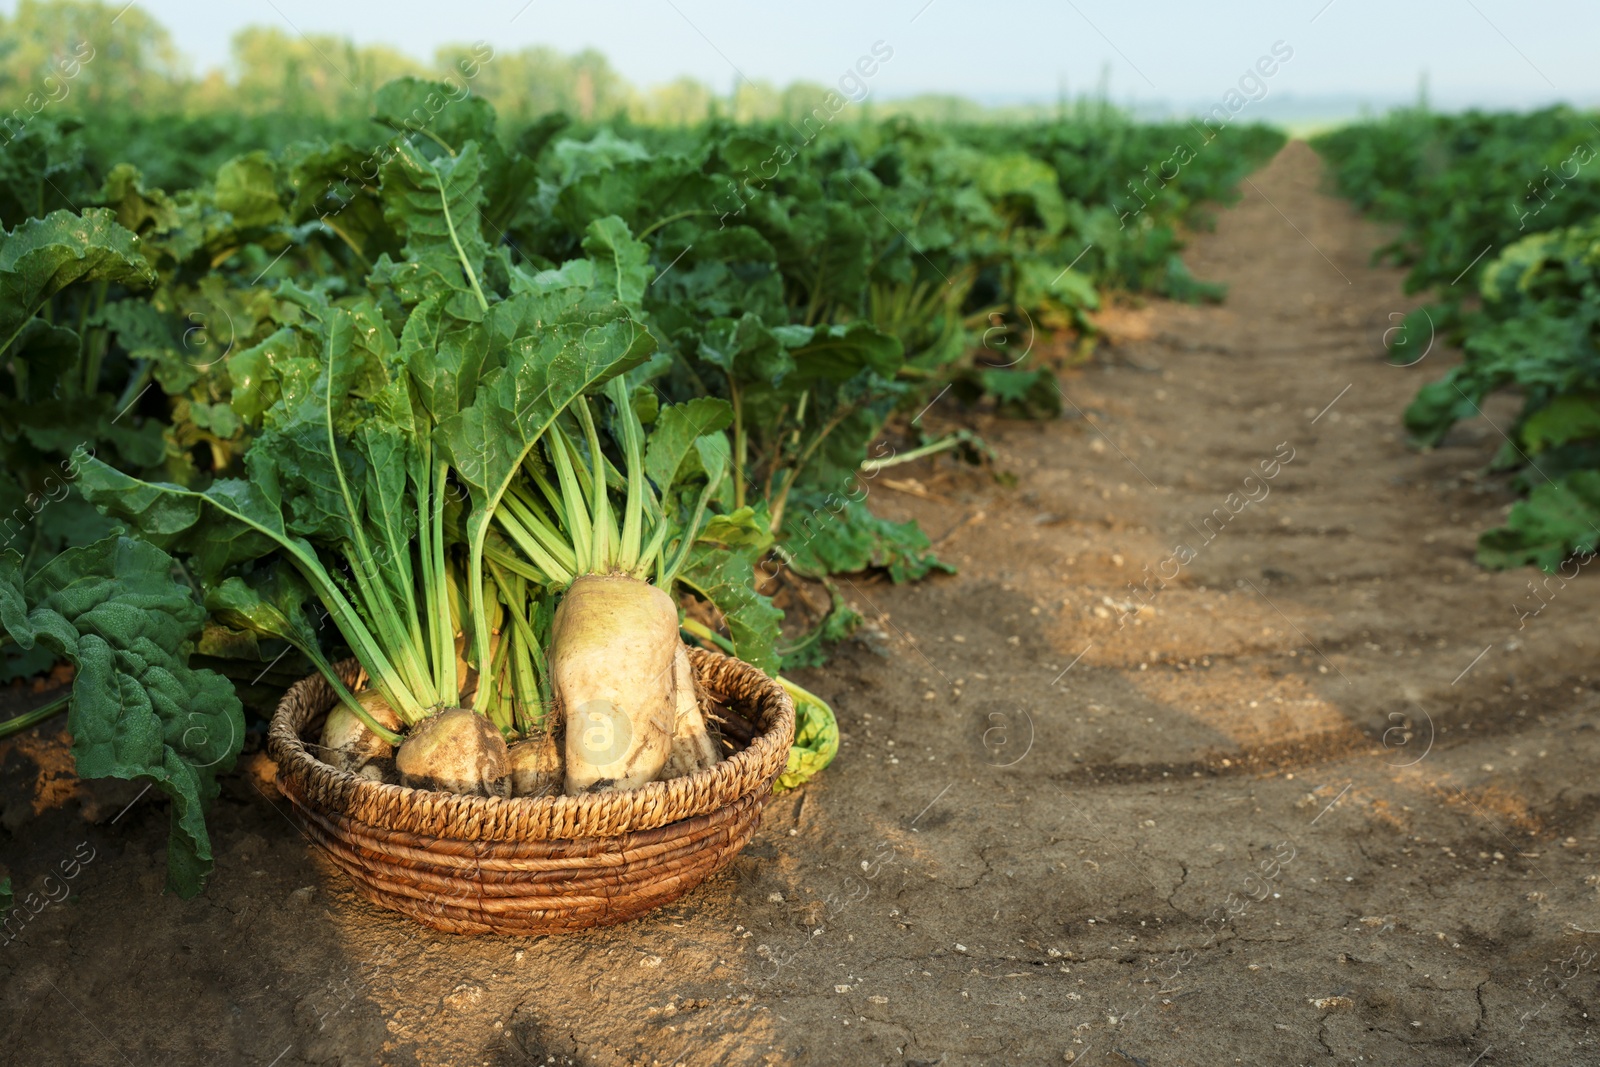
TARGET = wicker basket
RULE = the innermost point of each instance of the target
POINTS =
(536, 866)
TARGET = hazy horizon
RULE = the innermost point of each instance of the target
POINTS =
(1344, 55)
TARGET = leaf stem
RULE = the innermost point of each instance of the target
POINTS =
(656, 225)
(450, 224)
(741, 447)
(34, 717)
(778, 502)
(944, 443)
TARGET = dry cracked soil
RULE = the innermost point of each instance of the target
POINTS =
(1218, 749)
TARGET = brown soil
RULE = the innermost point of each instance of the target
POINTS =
(1328, 797)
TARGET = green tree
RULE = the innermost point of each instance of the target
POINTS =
(80, 54)
(277, 71)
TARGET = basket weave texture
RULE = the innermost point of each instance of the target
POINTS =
(527, 865)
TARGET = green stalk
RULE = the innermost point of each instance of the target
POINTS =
(492, 682)
(361, 641)
(652, 554)
(345, 617)
(633, 509)
(391, 631)
(142, 371)
(607, 540)
(782, 498)
(445, 634)
(431, 579)
(381, 608)
(669, 573)
(347, 698)
(551, 495)
(521, 686)
(524, 648)
(500, 557)
(870, 465)
(577, 511)
(412, 621)
(530, 544)
(696, 628)
(543, 613)
(444, 203)
(480, 620)
(97, 344)
(741, 446)
(580, 470)
(36, 716)
(547, 531)
(512, 595)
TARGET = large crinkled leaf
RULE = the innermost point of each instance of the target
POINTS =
(836, 534)
(1440, 405)
(362, 356)
(13, 605)
(748, 350)
(391, 459)
(411, 105)
(603, 152)
(33, 168)
(280, 369)
(309, 450)
(745, 529)
(51, 355)
(673, 435)
(1557, 520)
(41, 257)
(1573, 417)
(621, 263)
(515, 404)
(842, 351)
(62, 425)
(231, 522)
(1056, 294)
(434, 205)
(144, 332)
(1021, 184)
(247, 188)
(727, 579)
(1018, 394)
(138, 711)
(138, 208)
(444, 345)
(271, 602)
(337, 185)
(305, 465)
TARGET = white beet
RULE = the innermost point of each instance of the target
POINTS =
(455, 751)
(536, 767)
(693, 747)
(349, 745)
(612, 646)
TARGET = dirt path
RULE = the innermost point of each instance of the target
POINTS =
(1327, 796)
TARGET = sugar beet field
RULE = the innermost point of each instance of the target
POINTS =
(504, 568)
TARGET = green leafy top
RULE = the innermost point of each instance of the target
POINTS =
(41, 257)
(137, 711)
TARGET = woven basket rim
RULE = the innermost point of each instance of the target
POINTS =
(472, 818)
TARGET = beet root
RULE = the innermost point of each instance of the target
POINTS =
(349, 745)
(455, 751)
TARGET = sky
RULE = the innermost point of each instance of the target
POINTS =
(1155, 53)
